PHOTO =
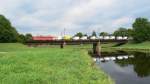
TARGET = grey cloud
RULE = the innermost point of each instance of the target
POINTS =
(52, 16)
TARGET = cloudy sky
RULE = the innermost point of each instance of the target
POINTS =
(50, 17)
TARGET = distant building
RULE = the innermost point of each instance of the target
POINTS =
(44, 38)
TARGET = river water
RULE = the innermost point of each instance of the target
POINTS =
(126, 67)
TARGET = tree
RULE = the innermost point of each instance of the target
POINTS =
(130, 32)
(22, 38)
(28, 37)
(7, 32)
(94, 33)
(141, 30)
(85, 35)
(103, 34)
(79, 34)
(121, 32)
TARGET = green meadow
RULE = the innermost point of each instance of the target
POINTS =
(20, 64)
(140, 47)
(143, 45)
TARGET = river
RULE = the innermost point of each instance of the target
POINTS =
(126, 67)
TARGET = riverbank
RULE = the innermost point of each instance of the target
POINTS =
(140, 47)
(48, 65)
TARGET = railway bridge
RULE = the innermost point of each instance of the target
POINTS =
(96, 43)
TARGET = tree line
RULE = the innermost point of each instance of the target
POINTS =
(9, 34)
(140, 32)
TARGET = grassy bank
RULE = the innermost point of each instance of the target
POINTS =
(143, 47)
(48, 65)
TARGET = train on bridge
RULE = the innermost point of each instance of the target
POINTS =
(68, 40)
(67, 37)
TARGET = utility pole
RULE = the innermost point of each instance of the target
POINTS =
(64, 31)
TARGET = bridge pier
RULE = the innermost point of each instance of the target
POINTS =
(62, 45)
(97, 48)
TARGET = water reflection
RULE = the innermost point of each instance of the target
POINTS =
(126, 68)
(141, 63)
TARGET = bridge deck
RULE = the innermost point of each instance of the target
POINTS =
(96, 43)
(71, 42)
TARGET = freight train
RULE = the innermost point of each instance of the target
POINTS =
(67, 37)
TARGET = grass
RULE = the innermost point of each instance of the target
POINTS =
(143, 47)
(140, 47)
(48, 65)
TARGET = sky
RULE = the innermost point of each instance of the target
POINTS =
(51, 17)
